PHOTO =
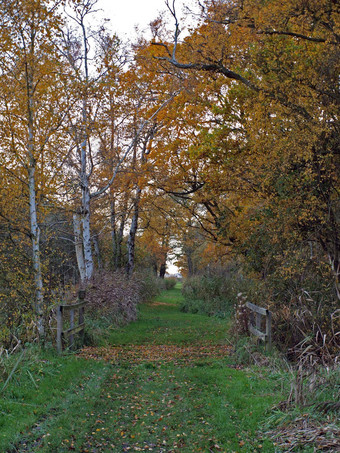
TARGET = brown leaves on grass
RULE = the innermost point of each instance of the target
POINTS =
(157, 304)
(156, 353)
(155, 410)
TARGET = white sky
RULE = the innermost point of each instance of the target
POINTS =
(125, 14)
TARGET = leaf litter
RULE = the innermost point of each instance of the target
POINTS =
(165, 353)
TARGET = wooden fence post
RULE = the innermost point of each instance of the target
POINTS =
(60, 328)
(71, 339)
(254, 325)
(72, 330)
(269, 329)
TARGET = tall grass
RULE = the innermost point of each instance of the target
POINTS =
(214, 292)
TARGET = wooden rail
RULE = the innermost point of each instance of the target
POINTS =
(255, 322)
(73, 329)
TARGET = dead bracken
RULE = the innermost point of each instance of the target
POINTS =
(303, 433)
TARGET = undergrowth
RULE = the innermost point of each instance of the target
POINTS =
(306, 419)
(214, 292)
(170, 282)
(165, 383)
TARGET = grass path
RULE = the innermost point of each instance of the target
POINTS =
(165, 383)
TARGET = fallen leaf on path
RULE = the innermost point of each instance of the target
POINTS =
(155, 353)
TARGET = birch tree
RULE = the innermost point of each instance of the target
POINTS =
(76, 51)
(31, 111)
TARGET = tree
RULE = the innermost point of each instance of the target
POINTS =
(31, 112)
(76, 51)
(113, 121)
(283, 60)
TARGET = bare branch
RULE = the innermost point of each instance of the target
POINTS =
(185, 193)
(132, 144)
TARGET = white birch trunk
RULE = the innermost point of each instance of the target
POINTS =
(35, 230)
(35, 234)
(79, 246)
(86, 197)
(86, 229)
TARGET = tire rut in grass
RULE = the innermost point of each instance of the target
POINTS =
(37, 438)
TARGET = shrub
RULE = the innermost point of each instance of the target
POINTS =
(215, 292)
(113, 301)
(114, 296)
(305, 325)
(150, 285)
(170, 282)
(306, 316)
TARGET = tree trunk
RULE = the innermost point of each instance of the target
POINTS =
(162, 270)
(120, 235)
(97, 251)
(132, 236)
(190, 263)
(118, 261)
(84, 176)
(113, 231)
(86, 199)
(35, 230)
(165, 247)
(79, 246)
(35, 234)
(87, 233)
(117, 236)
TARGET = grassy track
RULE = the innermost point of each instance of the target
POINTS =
(165, 383)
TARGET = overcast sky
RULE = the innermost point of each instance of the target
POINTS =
(125, 14)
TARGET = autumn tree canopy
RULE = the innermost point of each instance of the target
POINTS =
(223, 143)
(272, 141)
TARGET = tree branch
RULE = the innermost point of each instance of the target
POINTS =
(289, 33)
(132, 144)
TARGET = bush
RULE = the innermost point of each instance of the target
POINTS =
(113, 301)
(170, 282)
(300, 293)
(114, 296)
(215, 292)
(150, 285)
(306, 325)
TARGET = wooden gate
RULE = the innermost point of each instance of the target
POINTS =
(74, 311)
(255, 322)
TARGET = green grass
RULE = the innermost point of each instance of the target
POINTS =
(161, 324)
(195, 405)
(44, 388)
